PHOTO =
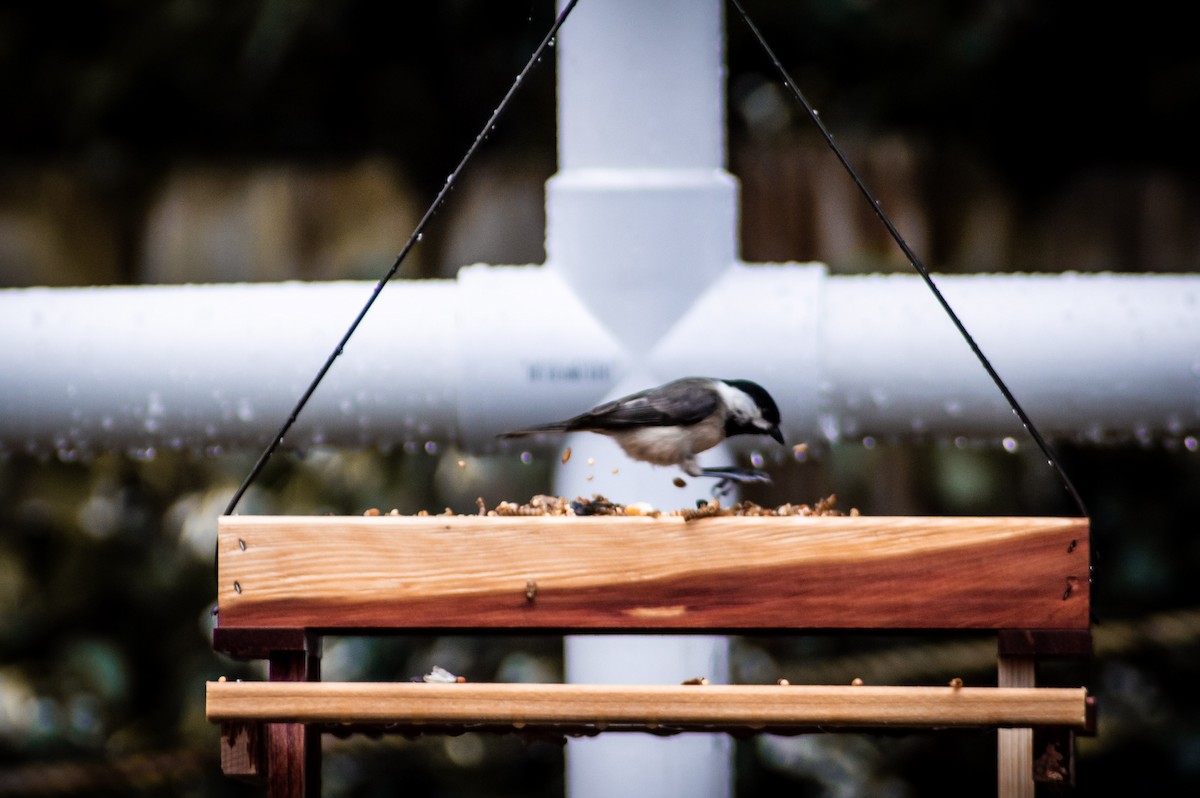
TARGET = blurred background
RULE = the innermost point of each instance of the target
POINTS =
(180, 141)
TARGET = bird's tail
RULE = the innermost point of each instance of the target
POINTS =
(558, 426)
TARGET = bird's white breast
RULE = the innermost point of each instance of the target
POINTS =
(670, 445)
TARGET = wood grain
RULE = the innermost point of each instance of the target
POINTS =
(293, 750)
(753, 707)
(615, 573)
(242, 751)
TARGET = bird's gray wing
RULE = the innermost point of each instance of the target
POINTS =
(681, 403)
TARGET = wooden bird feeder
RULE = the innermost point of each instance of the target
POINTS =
(284, 582)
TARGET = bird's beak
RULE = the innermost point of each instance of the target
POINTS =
(775, 433)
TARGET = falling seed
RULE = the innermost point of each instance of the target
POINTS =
(590, 477)
(566, 455)
(591, 461)
(679, 483)
(462, 463)
(616, 471)
(800, 448)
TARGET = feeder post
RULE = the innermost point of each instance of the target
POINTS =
(294, 749)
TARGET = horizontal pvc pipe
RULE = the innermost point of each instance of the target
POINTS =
(214, 368)
(1088, 356)
(218, 367)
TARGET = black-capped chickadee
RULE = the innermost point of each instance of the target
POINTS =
(671, 424)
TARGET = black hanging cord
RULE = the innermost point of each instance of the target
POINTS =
(547, 42)
(1026, 421)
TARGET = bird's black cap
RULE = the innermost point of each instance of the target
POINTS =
(770, 410)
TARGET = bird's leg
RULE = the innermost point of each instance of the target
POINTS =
(728, 475)
(736, 474)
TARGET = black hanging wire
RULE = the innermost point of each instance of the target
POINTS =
(547, 42)
(1026, 421)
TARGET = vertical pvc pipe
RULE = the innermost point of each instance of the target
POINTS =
(637, 765)
(641, 86)
(641, 218)
(642, 214)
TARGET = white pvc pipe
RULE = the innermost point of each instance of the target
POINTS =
(641, 215)
(640, 218)
(1089, 357)
(218, 367)
(1093, 357)
(635, 765)
(639, 245)
(642, 85)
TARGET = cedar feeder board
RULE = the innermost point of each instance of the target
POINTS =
(655, 574)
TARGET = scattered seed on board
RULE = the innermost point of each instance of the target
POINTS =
(599, 505)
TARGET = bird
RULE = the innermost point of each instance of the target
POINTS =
(672, 423)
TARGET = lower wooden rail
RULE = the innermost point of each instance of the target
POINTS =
(725, 707)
